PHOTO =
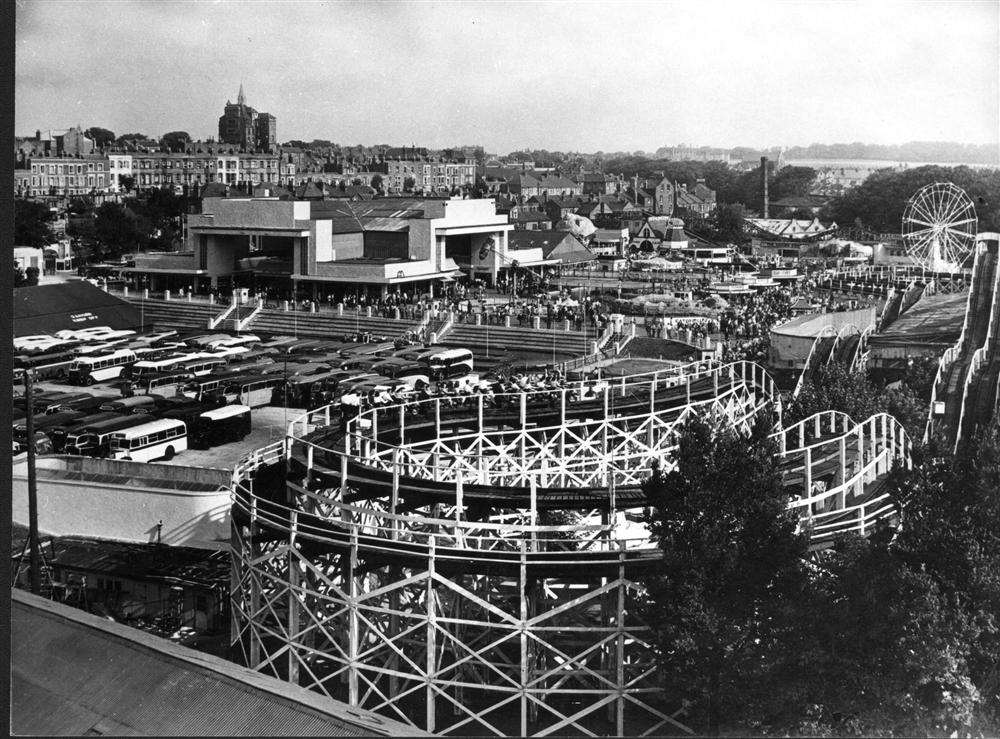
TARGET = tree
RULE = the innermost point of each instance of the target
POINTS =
(480, 189)
(133, 137)
(31, 276)
(729, 223)
(834, 387)
(377, 182)
(31, 223)
(175, 140)
(357, 182)
(949, 531)
(732, 562)
(878, 202)
(80, 205)
(884, 652)
(791, 181)
(408, 184)
(117, 230)
(101, 137)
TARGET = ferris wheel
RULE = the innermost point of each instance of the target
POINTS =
(939, 227)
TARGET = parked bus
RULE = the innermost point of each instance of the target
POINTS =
(310, 391)
(46, 366)
(254, 391)
(253, 362)
(44, 423)
(202, 366)
(221, 425)
(231, 341)
(448, 363)
(86, 403)
(164, 364)
(86, 370)
(214, 385)
(59, 434)
(165, 384)
(128, 406)
(159, 439)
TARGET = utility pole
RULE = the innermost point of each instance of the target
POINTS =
(34, 572)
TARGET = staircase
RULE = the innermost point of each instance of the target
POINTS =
(174, 313)
(181, 314)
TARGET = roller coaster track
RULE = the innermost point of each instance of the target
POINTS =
(820, 353)
(956, 383)
(406, 561)
(980, 390)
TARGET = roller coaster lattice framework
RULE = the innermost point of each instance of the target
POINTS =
(399, 563)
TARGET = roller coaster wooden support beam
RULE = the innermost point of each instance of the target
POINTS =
(428, 614)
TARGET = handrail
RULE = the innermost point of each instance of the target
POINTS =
(242, 323)
(213, 322)
(399, 534)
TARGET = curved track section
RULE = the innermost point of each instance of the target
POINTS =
(982, 382)
(477, 568)
(958, 366)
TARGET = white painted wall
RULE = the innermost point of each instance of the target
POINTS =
(123, 513)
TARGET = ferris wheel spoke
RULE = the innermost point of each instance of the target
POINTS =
(959, 233)
(962, 222)
(921, 232)
(921, 223)
(925, 210)
(956, 250)
(954, 209)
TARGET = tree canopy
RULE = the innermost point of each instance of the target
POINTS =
(101, 136)
(32, 221)
(175, 140)
(895, 634)
(834, 387)
(878, 203)
(732, 560)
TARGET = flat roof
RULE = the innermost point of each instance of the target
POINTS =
(73, 673)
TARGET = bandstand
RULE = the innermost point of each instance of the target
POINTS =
(477, 567)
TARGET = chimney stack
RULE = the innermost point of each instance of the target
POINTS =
(763, 178)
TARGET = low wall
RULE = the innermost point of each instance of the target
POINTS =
(129, 506)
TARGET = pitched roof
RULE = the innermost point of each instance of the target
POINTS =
(69, 305)
(555, 182)
(544, 239)
(74, 674)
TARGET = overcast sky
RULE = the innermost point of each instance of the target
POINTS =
(582, 76)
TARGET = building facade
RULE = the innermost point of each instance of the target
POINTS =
(65, 176)
(428, 175)
(243, 126)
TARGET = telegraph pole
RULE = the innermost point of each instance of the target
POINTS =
(34, 572)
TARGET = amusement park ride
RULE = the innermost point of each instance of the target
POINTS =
(401, 566)
(402, 561)
(939, 227)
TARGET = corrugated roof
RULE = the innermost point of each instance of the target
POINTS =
(386, 224)
(74, 673)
